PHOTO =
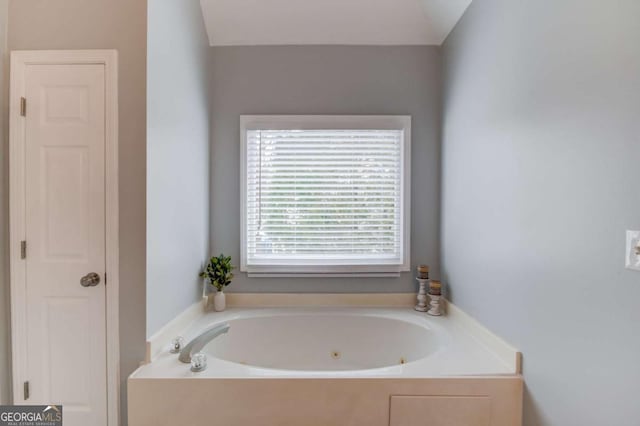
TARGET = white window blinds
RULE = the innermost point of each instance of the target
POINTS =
(325, 198)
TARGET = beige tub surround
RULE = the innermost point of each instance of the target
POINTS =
(477, 401)
(455, 370)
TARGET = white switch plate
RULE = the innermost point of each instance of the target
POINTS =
(632, 257)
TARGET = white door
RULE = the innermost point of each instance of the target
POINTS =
(64, 175)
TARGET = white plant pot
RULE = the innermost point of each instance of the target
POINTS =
(219, 301)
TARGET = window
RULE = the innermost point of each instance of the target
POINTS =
(325, 194)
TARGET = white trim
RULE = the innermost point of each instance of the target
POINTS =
(17, 226)
(348, 269)
(328, 275)
(19, 60)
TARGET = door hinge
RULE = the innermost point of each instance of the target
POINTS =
(26, 390)
(23, 249)
(23, 106)
(105, 278)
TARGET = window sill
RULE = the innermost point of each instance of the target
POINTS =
(323, 275)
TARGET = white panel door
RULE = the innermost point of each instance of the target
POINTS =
(65, 235)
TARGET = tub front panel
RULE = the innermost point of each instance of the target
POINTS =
(497, 401)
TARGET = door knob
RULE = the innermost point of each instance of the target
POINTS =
(90, 280)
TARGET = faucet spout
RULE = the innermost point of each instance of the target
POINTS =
(200, 341)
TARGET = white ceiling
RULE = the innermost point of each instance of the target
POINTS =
(367, 22)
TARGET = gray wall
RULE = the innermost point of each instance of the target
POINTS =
(326, 80)
(540, 168)
(121, 25)
(5, 370)
(177, 157)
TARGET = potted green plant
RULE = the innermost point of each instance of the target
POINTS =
(219, 273)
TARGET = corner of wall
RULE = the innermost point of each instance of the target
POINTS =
(178, 126)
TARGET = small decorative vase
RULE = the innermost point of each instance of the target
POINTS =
(219, 301)
(434, 305)
(422, 296)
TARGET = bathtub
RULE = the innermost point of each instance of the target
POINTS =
(333, 366)
(316, 342)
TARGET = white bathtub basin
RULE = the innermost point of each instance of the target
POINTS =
(324, 342)
(333, 342)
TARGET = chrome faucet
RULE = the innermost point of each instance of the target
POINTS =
(200, 342)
